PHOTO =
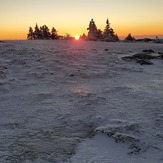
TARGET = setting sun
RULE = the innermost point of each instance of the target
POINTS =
(77, 37)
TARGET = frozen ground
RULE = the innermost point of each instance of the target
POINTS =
(79, 102)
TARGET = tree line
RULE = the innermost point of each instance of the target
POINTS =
(42, 33)
(94, 34)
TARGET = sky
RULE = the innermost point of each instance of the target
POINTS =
(138, 17)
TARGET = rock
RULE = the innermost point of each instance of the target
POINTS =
(139, 56)
(149, 51)
(143, 56)
(161, 54)
(144, 62)
(106, 49)
(121, 137)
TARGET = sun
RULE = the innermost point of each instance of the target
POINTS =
(77, 37)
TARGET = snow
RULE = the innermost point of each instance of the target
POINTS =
(75, 102)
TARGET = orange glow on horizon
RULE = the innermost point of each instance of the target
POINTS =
(13, 35)
(148, 30)
(21, 34)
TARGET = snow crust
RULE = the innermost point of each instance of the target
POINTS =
(76, 102)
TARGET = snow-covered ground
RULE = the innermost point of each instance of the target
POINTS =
(79, 102)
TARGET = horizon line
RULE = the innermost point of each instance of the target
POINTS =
(121, 37)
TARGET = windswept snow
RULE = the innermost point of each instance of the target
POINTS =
(76, 102)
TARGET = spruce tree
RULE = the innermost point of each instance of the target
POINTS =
(92, 31)
(37, 33)
(54, 34)
(129, 38)
(109, 34)
(30, 35)
(83, 37)
(107, 28)
(45, 34)
(99, 34)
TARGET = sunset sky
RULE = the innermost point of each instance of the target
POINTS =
(139, 17)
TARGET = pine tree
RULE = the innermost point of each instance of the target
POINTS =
(44, 31)
(109, 34)
(37, 33)
(116, 37)
(129, 38)
(107, 28)
(83, 37)
(54, 34)
(92, 31)
(30, 35)
(99, 34)
(68, 37)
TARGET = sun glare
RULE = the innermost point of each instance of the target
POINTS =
(77, 37)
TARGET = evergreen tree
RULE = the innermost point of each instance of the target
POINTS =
(30, 35)
(129, 38)
(109, 34)
(83, 37)
(116, 37)
(54, 34)
(68, 37)
(92, 31)
(44, 31)
(107, 28)
(99, 34)
(37, 33)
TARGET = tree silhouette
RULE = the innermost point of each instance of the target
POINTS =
(45, 34)
(37, 33)
(109, 34)
(129, 38)
(99, 34)
(107, 28)
(30, 34)
(54, 34)
(42, 33)
(83, 37)
(92, 31)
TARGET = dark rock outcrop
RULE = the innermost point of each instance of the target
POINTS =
(144, 57)
(149, 51)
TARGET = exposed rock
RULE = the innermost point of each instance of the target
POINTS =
(144, 62)
(149, 51)
(119, 137)
(143, 58)
(161, 54)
